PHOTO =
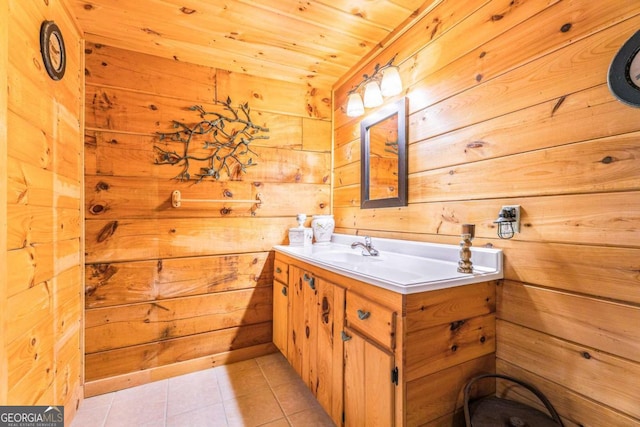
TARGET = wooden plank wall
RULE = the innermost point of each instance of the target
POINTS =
(172, 290)
(41, 244)
(4, 65)
(509, 105)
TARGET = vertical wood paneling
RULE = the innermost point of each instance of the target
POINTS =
(177, 279)
(520, 113)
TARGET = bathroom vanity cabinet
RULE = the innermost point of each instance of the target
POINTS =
(375, 357)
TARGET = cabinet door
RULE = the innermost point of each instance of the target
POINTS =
(369, 388)
(326, 364)
(280, 315)
(316, 309)
(302, 321)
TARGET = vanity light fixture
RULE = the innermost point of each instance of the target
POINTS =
(372, 95)
(508, 221)
(384, 82)
(355, 106)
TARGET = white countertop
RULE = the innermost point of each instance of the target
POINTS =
(402, 266)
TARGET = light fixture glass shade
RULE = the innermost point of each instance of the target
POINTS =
(355, 107)
(391, 83)
(372, 95)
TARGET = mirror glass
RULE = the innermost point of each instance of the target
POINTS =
(383, 157)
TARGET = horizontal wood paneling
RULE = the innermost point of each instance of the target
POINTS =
(35, 387)
(130, 360)
(126, 110)
(4, 113)
(129, 282)
(135, 197)
(444, 306)
(592, 219)
(435, 24)
(41, 213)
(612, 164)
(36, 263)
(599, 324)
(166, 287)
(31, 363)
(592, 112)
(106, 65)
(106, 152)
(440, 393)
(543, 29)
(32, 224)
(274, 96)
(347, 175)
(348, 152)
(586, 370)
(116, 327)
(578, 410)
(31, 185)
(110, 241)
(520, 114)
(602, 271)
(553, 76)
(449, 345)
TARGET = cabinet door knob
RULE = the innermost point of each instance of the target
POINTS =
(363, 314)
(345, 337)
(278, 270)
(284, 291)
(310, 280)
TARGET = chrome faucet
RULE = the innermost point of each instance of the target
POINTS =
(366, 246)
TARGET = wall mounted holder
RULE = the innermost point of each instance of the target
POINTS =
(176, 200)
(508, 221)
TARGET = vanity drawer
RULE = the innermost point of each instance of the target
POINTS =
(281, 271)
(372, 319)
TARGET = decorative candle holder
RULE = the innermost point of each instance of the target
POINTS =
(468, 233)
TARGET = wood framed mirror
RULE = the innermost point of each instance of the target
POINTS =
(383, 145)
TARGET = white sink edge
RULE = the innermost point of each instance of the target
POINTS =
(487, 262)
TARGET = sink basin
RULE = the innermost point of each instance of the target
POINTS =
(408, 269)
(345, 257)
(402, 266)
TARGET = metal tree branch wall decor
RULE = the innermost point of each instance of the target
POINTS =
(226, 137)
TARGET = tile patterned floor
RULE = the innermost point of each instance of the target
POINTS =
(264, 391)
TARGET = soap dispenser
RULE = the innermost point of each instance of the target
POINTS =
(300, 235)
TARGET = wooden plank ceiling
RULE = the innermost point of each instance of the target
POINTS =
(311, 41)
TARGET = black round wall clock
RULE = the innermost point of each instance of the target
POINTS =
(624, 72)
(52, 49)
